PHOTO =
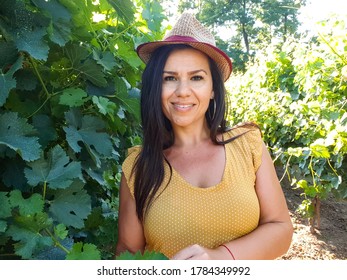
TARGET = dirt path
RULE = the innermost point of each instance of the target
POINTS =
(327, 243)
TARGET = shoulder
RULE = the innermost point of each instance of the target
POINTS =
(131, 156)
(133, 151)
(249, 131)
(128, 166)
(247, 138)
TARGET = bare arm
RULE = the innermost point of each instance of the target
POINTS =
(271, 238)
(130, 230)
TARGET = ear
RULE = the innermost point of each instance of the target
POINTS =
(212, 94)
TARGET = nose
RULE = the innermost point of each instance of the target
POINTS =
(183, 89)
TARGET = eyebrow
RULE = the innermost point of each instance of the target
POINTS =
(190, 73)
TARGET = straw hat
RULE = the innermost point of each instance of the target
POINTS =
(189, 31)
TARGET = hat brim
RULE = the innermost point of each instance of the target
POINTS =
(223, 61)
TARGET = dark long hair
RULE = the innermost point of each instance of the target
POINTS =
(157, 130)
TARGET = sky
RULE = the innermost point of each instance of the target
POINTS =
(314, 11)
(320, 9)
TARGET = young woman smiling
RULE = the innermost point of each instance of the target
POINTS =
(196, 189)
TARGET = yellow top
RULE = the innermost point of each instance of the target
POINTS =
(184, 215)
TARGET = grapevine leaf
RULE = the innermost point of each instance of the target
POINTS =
(104, 105)
(105, 59)
(60, 33)
(82, 251)
(85, 130)
(131, 104)
(26, 80)
(147, 255)
(3, 226)
(28, 231)
(87, 67)
(13, 175)
(16, 103)
(127, 52)
(60, 16)
(53, 252)
(297, 152)
(5, 209)
(60, 231)
(8, 53)
(57, 170)
(320, 151)
(45, 127)
(7, 81)
(32, 41)
(15, 133)
(92, 72)
(29, 206)
(100, 91)
(70, 206)
(76, 54)
(27, 29)
(73, 97)
(124, 8)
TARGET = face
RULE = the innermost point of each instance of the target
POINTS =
(187, 88)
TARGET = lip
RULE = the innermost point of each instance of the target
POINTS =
(183, 107)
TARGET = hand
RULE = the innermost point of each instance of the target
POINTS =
(197, 252)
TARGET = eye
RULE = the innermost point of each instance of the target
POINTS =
(197, 78)
(169, 78)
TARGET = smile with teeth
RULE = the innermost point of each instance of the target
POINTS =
(183, 106)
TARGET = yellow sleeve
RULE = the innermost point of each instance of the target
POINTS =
(252, 142)
(127, 167)
(255, 143)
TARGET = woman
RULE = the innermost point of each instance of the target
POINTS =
(194, 189)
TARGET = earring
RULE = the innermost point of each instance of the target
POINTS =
(214, 110)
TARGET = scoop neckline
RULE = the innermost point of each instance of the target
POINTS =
(213, 187)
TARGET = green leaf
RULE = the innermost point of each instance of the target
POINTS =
(127, 52)
(57, 170)
(131, 104)
(3, 226)
(5, 209)
(26, 80)
(85, 130)
(27, 30)
(85, 66)
(29, 206)
(61, 30)
(104, 105)
(92, 72)
(8, 53)
(105, 59)
(15, 133)
(7, 81)
(73, 97)
(320, 151)
(124, 8)
(28, 231)
(45, 127)
(71, 205)
(82, 251)
(13, 175)
(147, 255)
(294, 151)
(32, 42)
(60, 231)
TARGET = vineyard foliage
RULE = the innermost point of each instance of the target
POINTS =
(298, 95)
(69, 108)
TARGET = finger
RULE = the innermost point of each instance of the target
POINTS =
(187, 253)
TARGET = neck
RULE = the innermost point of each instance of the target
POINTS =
(186, 137)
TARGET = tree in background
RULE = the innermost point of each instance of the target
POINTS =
(250, 24)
